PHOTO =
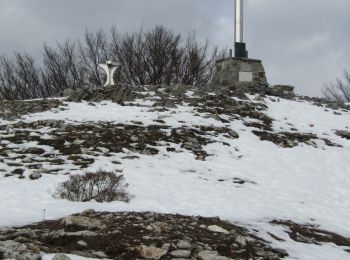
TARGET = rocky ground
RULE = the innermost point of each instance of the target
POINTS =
(58, 142)
(136, 236)
(150, 236)
(15, 109)
(33, 149)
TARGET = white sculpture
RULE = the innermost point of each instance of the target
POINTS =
(110, 68)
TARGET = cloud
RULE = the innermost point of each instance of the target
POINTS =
(303, 43)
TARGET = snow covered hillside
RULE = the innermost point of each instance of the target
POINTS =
(265, 163)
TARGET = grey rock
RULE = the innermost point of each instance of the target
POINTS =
(89, 211)
(233, 134)
(183, 244)
(181, 253)
(217, 229)
(134, 138)
(18, 171)
(151, 252)
(35, 176)
(83, 221)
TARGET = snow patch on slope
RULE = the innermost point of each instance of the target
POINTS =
(304, 184)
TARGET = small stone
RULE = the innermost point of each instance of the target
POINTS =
(99, 254)
(183, 244)
(217, 229)
(131, 157)
(89, 211)
(134, 138)
(233, 134)
(18, 171)
(82, 243)
(151, 252)
(181, 253)
(35, 176)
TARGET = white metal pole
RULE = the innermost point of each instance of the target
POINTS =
(238, 20)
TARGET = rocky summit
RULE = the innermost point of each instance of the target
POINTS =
(213, 173)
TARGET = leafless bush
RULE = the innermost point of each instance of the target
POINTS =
(62, 68)
(340, 90)
(102, 186)
(157, 56)
(195, 65)
(160, 56)
(20, 78)
(92, 51)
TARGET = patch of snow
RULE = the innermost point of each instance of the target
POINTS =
(72, 257)
(303, 184)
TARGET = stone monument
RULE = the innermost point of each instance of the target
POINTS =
(239, 71)
(110, 68)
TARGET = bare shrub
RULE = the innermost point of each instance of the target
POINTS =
(340, 90)
(102, 186)
(153, 57)
(20, 78)
(92, 51)
(62, 68)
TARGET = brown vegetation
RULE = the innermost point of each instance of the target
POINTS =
(101, 186)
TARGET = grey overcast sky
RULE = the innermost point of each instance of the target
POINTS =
(301, 42)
